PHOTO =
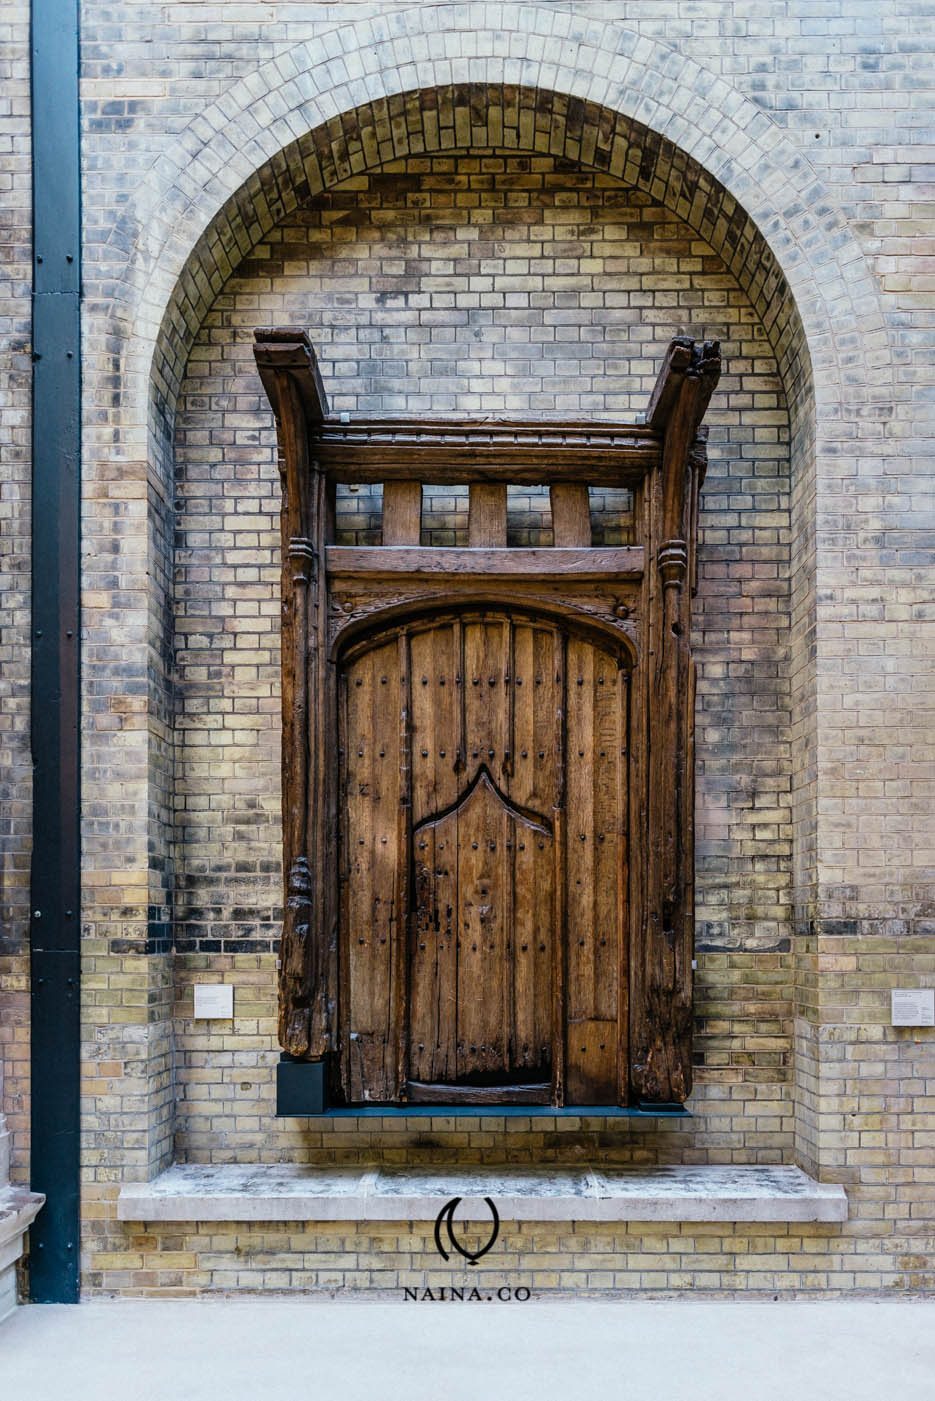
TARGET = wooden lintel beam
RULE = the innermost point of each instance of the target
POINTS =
(463, 465)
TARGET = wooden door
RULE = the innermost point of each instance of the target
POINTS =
(484, 864)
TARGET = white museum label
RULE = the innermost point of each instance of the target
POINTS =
(912, 1006)
(214, 1000)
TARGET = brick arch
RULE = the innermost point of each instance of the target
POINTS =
(235, 153)
(462, 117)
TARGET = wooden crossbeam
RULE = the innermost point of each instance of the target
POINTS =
(625, 561)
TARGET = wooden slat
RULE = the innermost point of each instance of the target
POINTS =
(421, 1093)
(571, 515)
(462, 466)
(487, 515)
(483, 828)
(532, 935)
(484, 901)
(535, 684)
(626, 561)
(532, 781)
(492, 432)
(372, 766)
(433, 985)
(594, 914)
(435, 713)
(397, 1051)
(435, 719)
(402, 513)
(486, 718)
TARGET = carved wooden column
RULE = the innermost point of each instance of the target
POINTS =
(661, 980)
(308, 951)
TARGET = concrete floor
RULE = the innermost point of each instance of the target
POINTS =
(635, 1350)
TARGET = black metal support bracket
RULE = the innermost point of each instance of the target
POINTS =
(55, 688)
(301, 1087)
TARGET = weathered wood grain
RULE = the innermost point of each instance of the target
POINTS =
(373, 699)
(571, 515)
(457, 451)
(402, 513)
(622, 562)
(487, 515)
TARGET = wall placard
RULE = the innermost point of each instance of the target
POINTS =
(912, 1006)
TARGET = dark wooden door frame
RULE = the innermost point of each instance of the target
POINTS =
(641, 592)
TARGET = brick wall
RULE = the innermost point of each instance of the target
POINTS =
(784, 151)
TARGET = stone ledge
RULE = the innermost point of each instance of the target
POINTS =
(18, 1210)
(285, 1192)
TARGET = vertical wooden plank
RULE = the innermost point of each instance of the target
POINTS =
(607, 833)
(486, 664)
(579, 992)
(661, 976)
(593, 890)
(571, 515)
(398, 1037)
(533, 785)
(487, 515)
(434, 959)
(321, 796)
(402, 513)
(560, 866)
(532, 778)
(372, 800)
(624, 890)
(435, 719)
(531, 940)
(483, 826)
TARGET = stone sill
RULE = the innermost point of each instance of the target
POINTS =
(284, 1192)
(18, 1209)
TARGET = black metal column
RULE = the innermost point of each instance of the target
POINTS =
(56, 443)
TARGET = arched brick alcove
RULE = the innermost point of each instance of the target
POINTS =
(219, 457)
(591, 94)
